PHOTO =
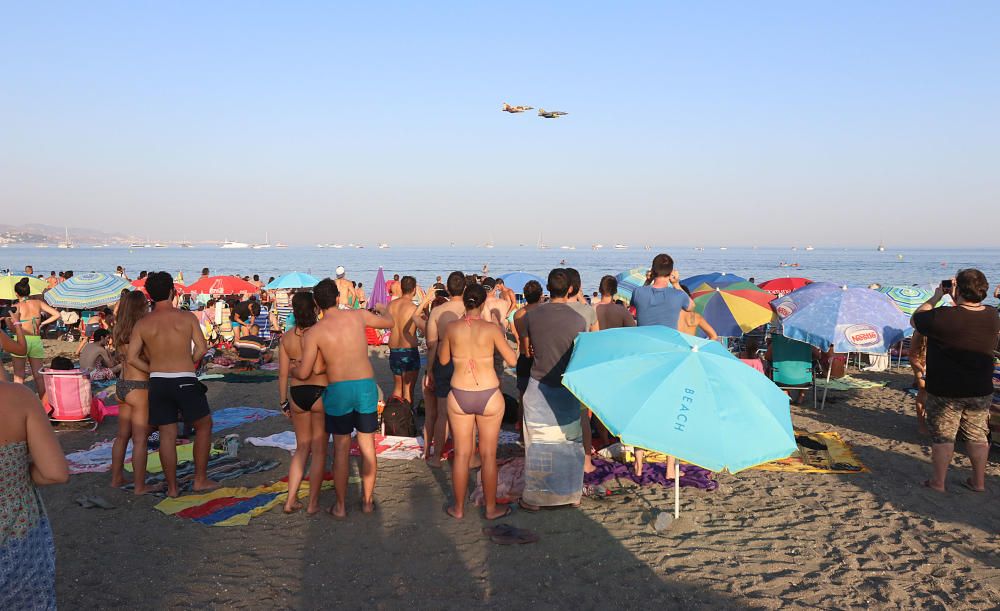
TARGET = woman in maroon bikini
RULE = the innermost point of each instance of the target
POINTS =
(475, 400)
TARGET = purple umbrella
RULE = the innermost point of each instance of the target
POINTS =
(380, 295)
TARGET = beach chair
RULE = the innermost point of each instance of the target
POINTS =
(792, 365)
(68, 395)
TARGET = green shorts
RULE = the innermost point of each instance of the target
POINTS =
(35, 348)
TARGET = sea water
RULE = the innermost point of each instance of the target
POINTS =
(922, 267)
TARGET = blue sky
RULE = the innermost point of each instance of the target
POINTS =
(690, 123)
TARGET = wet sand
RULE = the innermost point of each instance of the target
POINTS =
(762, 540)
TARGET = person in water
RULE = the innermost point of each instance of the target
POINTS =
(474, 399)
(350, 401)
(306, 406)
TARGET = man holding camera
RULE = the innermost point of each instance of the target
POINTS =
(960, 345)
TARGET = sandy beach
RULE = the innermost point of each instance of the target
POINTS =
(762, 540)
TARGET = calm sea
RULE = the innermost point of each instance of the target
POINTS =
(849, 266)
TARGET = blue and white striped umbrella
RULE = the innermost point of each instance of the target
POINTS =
(908, 298)
(85, 291)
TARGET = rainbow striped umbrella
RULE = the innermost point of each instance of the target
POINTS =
(908, 298)
(85, 291)
(7, 286)
(713, 280)
(733, 309)
(628, 281)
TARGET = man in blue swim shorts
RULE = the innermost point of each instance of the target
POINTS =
(404, 358)
(351, 399)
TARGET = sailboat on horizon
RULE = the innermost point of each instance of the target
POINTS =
(66, 243)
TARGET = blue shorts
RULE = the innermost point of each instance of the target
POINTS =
(350, 405)
(403, 360)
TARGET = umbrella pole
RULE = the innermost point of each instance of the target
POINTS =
(677, 489)
(827, 387)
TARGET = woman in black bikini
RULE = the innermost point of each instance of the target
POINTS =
(306, 406)
(132, 391)
(475, 400)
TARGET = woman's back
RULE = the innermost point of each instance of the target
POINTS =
(291, 345)
(473, 343)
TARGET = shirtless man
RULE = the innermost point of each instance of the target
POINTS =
(165, 337)
(525, 359)
(437, 382)
(395, 290)
(404, 358)
(506, 293)
(348, 294)
(351, 399)
(495, 309)
(28, 315)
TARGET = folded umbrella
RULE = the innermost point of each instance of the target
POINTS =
(659, 389)
(85, 291)
(380, 295)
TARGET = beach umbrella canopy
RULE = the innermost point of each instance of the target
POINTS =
(7, 286)
(140, 283)
(515, 281)
(907, 298)
(733, 309)
(85, 291)
(779, 287)
(681, 395)
(712, 280)
(629, 281)
(294, 280)
(849, 319)
(218, 286)
(785, 306)
(380, 294)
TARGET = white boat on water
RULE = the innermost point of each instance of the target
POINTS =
(620, 246)
(266, 244)
(65, 243)
(230, 244)
(281, 245)
(383, 245)
(596, 246)
(41, 245)
(810, 248)
(881, 247)
(184, 244)
(723, 248)
(335, 245)
(160, 245)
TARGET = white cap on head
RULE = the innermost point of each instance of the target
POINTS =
(341, 271)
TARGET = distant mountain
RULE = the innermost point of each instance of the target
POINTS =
(39, 232)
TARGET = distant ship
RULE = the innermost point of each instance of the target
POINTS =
(620, 247)
(41, 245)
(65, 243)
(596, 246)
(281, 245)
(184, 244)
(541, 243)
(138, 245)
(229, 244)
(383, 245)
(567, 248)
(723, 248)
(647, 247)
(266, 244)
(810, 248)
(699, 248)
(158, 245)
(881, 247)
(335, 245)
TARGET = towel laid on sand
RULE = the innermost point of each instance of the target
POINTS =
(652, 473)
(848, 383)
(220, 468)
(230, 417)
(824, 452)
(284, 440)
(386, 446)
(185, 453)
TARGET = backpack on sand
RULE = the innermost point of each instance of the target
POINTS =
(397, 419)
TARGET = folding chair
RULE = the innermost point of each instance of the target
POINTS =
(792, 365)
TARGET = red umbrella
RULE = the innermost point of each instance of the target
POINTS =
(141, 285)
(221, 285)
(779, 287)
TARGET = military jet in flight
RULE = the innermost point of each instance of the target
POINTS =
(551, 114)
(515, 109)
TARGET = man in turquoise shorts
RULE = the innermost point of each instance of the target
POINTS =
(351, 399)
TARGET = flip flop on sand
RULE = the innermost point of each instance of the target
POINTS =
(968, 485)
(84, 502)
(527, 507)
(506, 512)
(97, 501)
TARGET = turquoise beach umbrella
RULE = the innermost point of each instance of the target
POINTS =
(688, 397)
(294, 280)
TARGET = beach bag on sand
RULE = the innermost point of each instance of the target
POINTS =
(397, 419)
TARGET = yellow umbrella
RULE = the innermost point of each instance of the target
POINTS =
(7, 286)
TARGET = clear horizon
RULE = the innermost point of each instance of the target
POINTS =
(839, 125)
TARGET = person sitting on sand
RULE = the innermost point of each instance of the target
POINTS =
(404, 357)
(475, 400)
(251, 348)
(351, 398)
(168, 344)
(132, 392)
(305, 408)
(95, 359)
(960, 345)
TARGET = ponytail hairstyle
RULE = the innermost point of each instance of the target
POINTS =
(23, 287)
(474, 296)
